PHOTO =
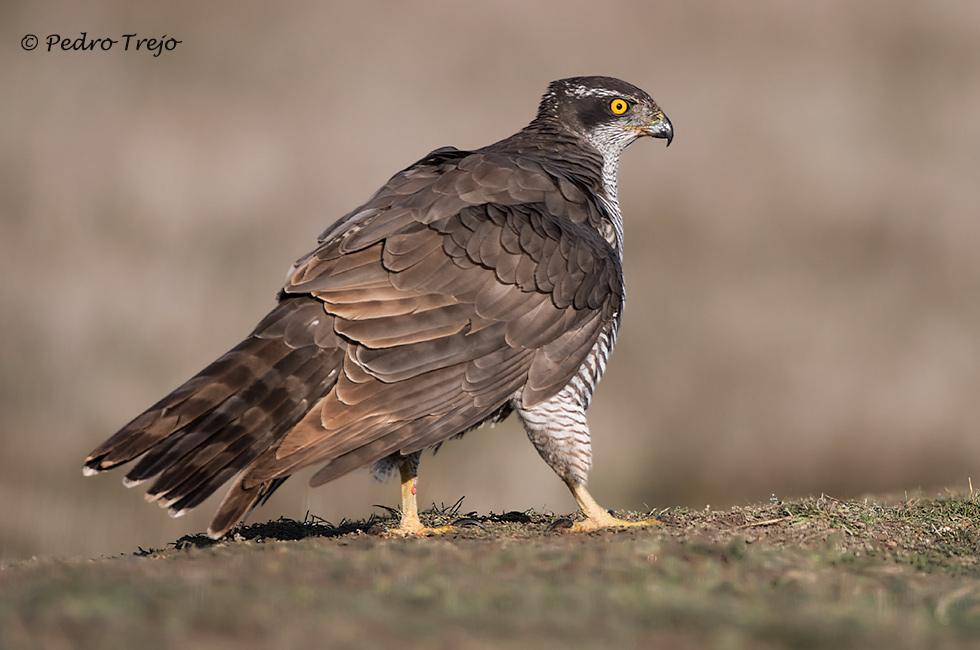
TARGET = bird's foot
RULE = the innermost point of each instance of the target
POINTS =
(416, 530)
(607, 520)
(597, 517)
(412, 526)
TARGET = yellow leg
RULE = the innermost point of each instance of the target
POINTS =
(596, 517)
(411, 525)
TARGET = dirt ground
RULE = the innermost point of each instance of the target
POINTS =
(895, 572)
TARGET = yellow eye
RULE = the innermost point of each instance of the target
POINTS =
(619, 106)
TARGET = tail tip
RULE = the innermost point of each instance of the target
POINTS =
(128, 482)
(177, 513)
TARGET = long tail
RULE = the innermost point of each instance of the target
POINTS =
(218, 422)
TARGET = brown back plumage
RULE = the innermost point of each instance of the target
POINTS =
(468, 282)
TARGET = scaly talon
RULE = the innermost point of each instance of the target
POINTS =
(609, 521)
(410, 530)
(597, 518)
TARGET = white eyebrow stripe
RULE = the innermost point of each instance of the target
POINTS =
(585, 91)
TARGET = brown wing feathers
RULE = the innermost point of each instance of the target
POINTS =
(420, 316)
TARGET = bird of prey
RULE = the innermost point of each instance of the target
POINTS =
(472, 285)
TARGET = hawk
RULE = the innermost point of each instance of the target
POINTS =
(472, 285)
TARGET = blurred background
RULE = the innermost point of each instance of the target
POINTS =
(802, 264)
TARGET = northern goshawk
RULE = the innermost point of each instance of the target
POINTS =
(473, 284)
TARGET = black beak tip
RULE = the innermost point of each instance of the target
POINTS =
(663, 129)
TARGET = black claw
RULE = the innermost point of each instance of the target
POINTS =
(467, 521)
(559, 524)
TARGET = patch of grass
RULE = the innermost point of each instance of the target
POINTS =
(810, 573)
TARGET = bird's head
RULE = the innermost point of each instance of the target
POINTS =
(607, 112)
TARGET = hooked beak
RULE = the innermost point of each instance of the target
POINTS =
(661, 128)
